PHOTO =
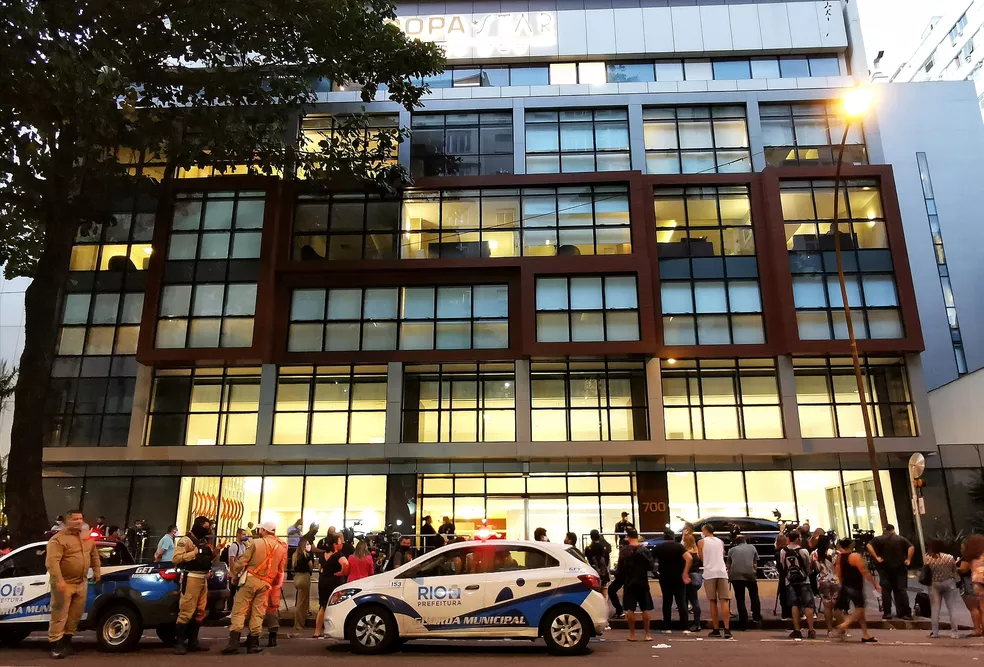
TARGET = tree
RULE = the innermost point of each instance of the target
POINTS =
(218, 83)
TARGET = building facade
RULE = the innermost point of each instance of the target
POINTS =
(611, 287)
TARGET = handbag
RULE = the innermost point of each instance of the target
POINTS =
(926, 576)
(696, 579)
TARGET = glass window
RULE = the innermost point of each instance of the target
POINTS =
(589, 401)
(709, 277)
(529, 76)
(204, 406)
(732, 69)
(587, 308)
(577, 141)
(793, 66)
(721, 494)
(724, 399)
(374, 140)
(829, 404)
(769, 490)
(459, 403)
(694, 140)
(391, 318)
(345, 227)
(809, 133)
(869, 275)
(462, 144)
(630, 72)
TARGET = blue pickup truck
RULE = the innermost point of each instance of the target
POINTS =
(129, 599)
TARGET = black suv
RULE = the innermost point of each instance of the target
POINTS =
(760, 533)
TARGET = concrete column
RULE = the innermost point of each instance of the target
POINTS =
(519, 136)
(654, 389)
(755, 141)
(637, 138)
(394, 408)
(920, 401)
(268, 403)
(403, 156)
(524, 403)
(790, 411)
(141, 406)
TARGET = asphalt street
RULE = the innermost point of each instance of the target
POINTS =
(897, 648)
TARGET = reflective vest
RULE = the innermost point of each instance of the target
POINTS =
(273, 559)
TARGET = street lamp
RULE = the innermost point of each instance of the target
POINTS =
(855, 103)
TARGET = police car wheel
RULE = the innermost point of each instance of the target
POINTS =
(119, 630)
(166, 634)
(566, 631)
(372, 630)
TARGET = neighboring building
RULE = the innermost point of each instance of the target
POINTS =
(611, 288)
(951, 49)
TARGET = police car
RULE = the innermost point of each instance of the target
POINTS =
(128, 599)
(475, 590)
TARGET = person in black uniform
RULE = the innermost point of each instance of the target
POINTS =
(446, 529)
(194, 556)
(334, 568)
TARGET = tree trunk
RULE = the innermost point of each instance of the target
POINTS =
(25, 507)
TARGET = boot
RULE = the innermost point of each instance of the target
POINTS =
(180, 646)
(67, 645)
(233, 646)
(193, 645)
(272, 641)
(58, 649)
(253, 644)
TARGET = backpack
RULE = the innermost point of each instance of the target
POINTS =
(796, 572)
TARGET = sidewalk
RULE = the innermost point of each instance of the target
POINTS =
(767, 594)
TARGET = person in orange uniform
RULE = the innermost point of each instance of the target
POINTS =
(70, 554)
(272, 618)
(265, 560)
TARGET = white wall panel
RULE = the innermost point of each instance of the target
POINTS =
(745, 31)
(715, 28)
(686, 29)
(601, 36)
(630, 35)
(804, 25)
(774, 27)
(657, 24)
(833, 29)
(572, 38)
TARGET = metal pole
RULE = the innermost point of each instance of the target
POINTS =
(917, 514)
(872, 454)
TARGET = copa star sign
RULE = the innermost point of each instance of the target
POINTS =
(484, 35)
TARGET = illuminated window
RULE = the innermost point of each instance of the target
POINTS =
(459, 403)
(589, 400)
(373, 140)
(809, 133)
(458, 317)
(696, 140)
(829, 404)
(345, 226)
(204, 406)
(721, 399)
(807, 208)
(121, 248)
(330, 405)
(708, 271)
(587, 308)
(461, 144)
(578, 140)
(581, 220)
(208, 299)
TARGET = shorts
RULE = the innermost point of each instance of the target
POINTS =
(848, 597)
(829, 590)
(717, 589)
(799, 595)
(637, 596)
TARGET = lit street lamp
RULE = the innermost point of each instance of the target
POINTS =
(856, 102)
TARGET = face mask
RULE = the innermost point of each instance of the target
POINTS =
(201, 532)
(244, 538)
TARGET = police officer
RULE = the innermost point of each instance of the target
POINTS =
(194, 557)
(265, 560)
(70, 554)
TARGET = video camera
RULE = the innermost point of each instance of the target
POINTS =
(862, 538)
(786, 527)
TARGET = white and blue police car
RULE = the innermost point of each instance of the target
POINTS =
(475, 590)
(128, 599)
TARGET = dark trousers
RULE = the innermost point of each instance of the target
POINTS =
(693, 598)
(894, 581)
(613, 590)
(752, 587)
(784, 607)
(674, 591)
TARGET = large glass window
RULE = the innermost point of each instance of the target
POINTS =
(589, 400)
(209, 295)
(345, 226)
(371, 139)
(807, 208)
(809, 133)
(577, 141)
(582, 220)
(721, 399)
(461, 144)
(829, 404)
(457, 317)
(90, 400)
(459, 403)
(204, 406)
(587, 308)
(709, 286)
(330, 405)
(696, 140)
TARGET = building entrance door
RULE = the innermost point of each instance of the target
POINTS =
(509, 515)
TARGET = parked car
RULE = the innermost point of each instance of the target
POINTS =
(475, 590)
(760, 533)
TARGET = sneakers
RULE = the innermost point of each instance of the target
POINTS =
(715, 633)
(908, 617)
(695, 627)
(812, 634)
(869, 640)
(728, 635)
(796, 634)
(620, 614)
(934, 635)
